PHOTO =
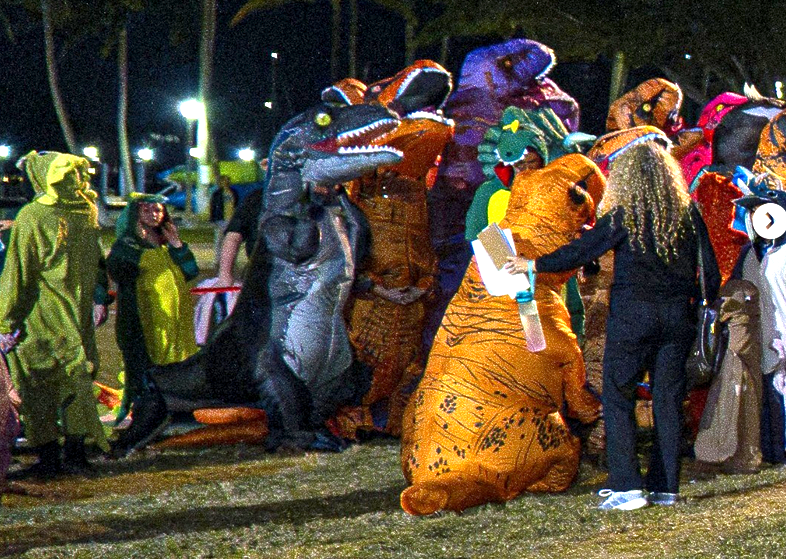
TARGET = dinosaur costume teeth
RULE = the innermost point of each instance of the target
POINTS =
(436, 117)
(352, 150)
(386, 124)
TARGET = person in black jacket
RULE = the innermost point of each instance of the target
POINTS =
(653, 228)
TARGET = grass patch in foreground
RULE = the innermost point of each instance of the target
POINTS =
(241, 502)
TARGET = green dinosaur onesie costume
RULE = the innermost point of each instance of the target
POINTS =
(51, 279)
(155, 313)
(519, 133)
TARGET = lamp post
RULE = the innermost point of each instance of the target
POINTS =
(192, 110)
(144, 155)
(246, 154)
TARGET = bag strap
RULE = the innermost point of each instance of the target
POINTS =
(702, 283)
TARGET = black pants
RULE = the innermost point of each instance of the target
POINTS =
(643, 336)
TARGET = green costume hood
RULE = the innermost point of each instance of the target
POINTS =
(127, 220)
(60, 179)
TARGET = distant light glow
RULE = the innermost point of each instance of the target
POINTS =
(274, 55)
(145, 154)
(91, 170)
(196, 153)
(246, 154)
(779, 89)
(91, 152)
(268, 104)
(191, 109)
(5, 151)
(688, 56)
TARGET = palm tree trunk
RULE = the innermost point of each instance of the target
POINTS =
(122, 109)
(353, 38)
(444, 50)
(409, 38)
(54, 85)
(335, 40)
(618, 76)
(207, 49)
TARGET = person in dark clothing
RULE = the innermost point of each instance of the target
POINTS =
(241, 228)
(653, 228)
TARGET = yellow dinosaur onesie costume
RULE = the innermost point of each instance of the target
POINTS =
(484, 423)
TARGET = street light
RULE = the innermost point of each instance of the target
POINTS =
(91, 152)
(191, 109)
(246, 154)
(145, 154)
(5, 151)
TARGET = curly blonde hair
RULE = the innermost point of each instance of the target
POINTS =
(647, 183)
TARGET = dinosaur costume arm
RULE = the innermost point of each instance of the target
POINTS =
(607, 233)
(184, 258)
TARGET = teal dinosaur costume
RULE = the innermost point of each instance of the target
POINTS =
(155, 313)
(519, 136)
(52, 277)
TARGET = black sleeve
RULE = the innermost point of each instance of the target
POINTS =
(712, 277)
(607, 233)
(246, 217)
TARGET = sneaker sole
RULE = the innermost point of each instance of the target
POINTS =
(633, 504)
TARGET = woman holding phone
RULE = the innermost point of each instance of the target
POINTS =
(155, 315)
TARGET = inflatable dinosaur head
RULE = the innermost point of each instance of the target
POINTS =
(348, 91)
(422, 86)
(655, 102)
(416, 95)
(736, 138)
(525, 139)
(771, 155)
(510, 66)
(715, 110)
(610, 146)
(327, 145)
(548, 207)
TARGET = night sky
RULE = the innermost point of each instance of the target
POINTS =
(162, 74)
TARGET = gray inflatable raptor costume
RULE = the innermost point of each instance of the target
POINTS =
(285, 347)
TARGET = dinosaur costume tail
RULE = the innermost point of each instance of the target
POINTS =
(427, 498)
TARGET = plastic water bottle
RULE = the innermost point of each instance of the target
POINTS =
(530, 321)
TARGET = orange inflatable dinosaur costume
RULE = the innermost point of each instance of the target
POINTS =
(385, 322)
(484, 423)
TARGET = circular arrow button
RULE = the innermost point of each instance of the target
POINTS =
(769, 221)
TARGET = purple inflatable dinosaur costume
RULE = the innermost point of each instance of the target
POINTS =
(492, 78)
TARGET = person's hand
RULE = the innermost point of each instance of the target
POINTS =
(224, 280)
(9, 341)
(100, 314)
(6, 224)
(518, 265)
(170, 234)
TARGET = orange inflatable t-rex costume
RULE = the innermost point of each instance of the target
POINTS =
(484, 423)
(386, 334)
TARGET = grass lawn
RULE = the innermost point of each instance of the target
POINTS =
(239, 501)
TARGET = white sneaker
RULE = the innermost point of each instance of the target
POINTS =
(622, 500)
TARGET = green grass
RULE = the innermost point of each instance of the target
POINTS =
(239, 501)
(233, 502)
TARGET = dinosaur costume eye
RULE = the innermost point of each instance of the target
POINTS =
(505, 63)
(646, 107)
(322, 119)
